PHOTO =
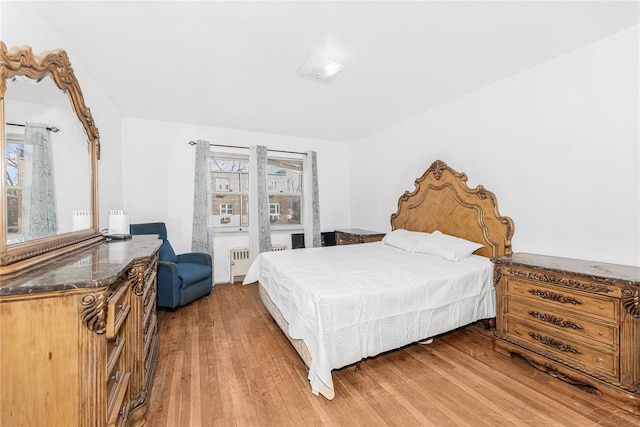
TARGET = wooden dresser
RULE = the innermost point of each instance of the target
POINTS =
(78, 338)
(354, 236)
(577, 320)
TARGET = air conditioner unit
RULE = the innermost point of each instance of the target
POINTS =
(225, 219)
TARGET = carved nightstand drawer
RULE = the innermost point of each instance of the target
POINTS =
(118, 307)
(565, 322)
(576, 352)
(566, 299)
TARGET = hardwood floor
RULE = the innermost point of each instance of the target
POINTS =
(224, 362)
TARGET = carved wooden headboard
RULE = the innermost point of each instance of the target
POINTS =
(443, 201)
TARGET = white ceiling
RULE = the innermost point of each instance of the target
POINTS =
(233, 64)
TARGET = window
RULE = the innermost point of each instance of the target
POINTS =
(274, 212)
(230, 195)
(14, 174)
(230, 175)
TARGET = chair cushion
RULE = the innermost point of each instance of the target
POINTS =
(191, 273)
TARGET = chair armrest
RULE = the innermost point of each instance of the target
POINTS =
(196, 258)
(168, 284)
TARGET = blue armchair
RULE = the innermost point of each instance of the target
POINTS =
(181, 278)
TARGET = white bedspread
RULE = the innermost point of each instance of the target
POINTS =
(351, 302)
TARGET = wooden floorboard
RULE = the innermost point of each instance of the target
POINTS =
(224, 362)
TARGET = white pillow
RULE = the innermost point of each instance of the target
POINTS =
(447, 247)
(403, 239)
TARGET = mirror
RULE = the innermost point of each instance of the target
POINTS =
(50, 147)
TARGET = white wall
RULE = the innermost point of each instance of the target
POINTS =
(158, 167)
(21, 24)
(557, 144)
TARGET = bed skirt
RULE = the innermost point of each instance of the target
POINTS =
(297, 344)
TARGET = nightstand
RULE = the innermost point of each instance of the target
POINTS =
(352, 236)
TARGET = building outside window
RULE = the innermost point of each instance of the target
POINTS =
(230, 195)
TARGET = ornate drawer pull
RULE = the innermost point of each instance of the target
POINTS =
(600, 360)
(555, 297)
(116, 377)
(554, 343)
(558, 321)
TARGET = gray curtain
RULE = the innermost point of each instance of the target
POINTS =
(259, 225)
(312, 238)
(38, 192)
(201, 234)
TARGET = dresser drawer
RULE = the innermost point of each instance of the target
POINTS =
(577, 352)
(355, 236)
(347, 239)
(117, 406)
(118, 308)
(114, 350)
(578, 302)
(566, 322)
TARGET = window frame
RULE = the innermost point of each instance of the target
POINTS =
(245, 194)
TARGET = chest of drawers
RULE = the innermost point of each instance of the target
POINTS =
(79, 338)
(577, 320)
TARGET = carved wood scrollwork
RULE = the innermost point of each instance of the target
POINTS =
(553, 279)
(554, 343)
(631, 301)
(438, 168)
(555, 297)
(135, 276)
(94, 311)
(497, 275)
(22, 61)
(554, 320)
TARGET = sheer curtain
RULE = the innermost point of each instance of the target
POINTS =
(38, 193)
(201, 234)
(259, 226)
(312, 237)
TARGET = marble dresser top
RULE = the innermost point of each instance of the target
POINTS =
(95, 267)
(615, 273)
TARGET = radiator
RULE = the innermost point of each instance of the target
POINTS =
(239, 261)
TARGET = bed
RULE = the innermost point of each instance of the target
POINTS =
(338, 305)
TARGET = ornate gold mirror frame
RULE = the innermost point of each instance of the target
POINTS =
(20, 61)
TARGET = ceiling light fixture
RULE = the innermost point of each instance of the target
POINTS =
(318, 68)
